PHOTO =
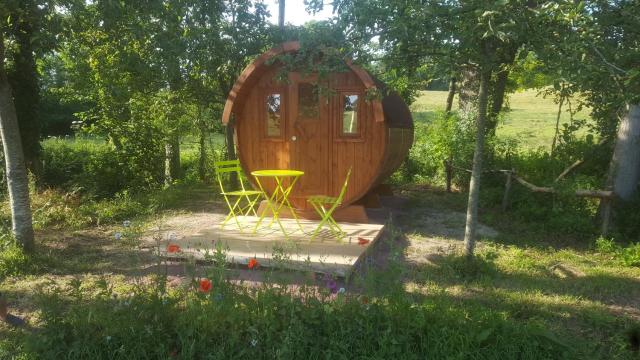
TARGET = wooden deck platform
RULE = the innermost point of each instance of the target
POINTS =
(324, 254)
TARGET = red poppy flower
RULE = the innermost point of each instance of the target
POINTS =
(173, 248)
(205, 285)
(363, 241)
(253, 263)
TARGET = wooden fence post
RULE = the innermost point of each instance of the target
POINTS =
(507, 190)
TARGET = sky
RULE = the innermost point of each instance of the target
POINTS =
(294, 12)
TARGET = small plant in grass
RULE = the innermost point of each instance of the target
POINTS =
(606, 246)
(631, 255)
(13, 260)
(628, 255)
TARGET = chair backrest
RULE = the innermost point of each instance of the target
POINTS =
(344, 187)
(226, 167)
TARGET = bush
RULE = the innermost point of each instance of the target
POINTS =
(97, 168)
(448, 137)
(631, 255)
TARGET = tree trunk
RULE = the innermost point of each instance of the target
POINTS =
(625, 163)
(474, 186)
(452, 93)
(17, 180)
(202, 165)
(281, 4)
(231, 152)
(468, 90)
(26, 90)
(172, 169)
(497, 100)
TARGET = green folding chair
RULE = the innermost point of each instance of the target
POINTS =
(325, 206)
(235, 207)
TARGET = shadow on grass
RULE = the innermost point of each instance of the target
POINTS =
(432, 212)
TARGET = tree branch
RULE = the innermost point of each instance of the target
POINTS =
(611, 65)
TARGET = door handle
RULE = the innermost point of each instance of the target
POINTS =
(294, 138)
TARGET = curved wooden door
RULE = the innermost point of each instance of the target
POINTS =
(309, 139)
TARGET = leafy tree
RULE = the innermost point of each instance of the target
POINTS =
(17, 181)
(184, 54)
(604, 36)
(30, 30)
(477, 38)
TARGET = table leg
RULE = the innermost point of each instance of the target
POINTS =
(276, 212)
(268, 205)
(286, 200)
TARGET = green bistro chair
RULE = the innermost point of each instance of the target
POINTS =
(235, 207)
(325, 206)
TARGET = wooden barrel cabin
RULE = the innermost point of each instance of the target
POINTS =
(291, 125)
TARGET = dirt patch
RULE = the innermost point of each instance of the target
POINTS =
(437, 224)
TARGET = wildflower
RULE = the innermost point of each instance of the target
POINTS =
(108, 338)
(126, 223)
(342, 290)
(173, 237)
(253, 264)
(363, 241)
(118, 236)
(218, 297)
(205, 285)
(254, 342)
(173, 248)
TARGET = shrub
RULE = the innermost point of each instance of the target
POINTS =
(630, 255)
(606, 246)
(99, 169)
(447, 137)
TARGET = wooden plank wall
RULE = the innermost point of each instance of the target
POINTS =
(365, 155)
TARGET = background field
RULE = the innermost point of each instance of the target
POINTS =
(530, 118)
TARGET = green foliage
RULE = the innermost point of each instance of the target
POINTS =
(605, 246)
(627, 255)
(269, 322)
(447, 137)
(441, 136)
(631, 255)
(13, 260)
(97, 168)
(528, 72)
(603, 36)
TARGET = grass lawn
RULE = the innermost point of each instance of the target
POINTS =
(529, 293)
(531, 118)
(87, 295)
